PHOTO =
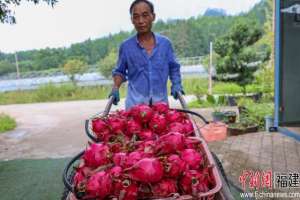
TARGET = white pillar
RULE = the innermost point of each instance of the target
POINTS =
(17, 65)
(210, 69)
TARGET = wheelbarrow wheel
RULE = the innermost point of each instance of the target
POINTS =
(66, 191)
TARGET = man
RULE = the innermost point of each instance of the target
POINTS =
(146, 60)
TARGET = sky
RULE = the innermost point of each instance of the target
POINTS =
(73, 21)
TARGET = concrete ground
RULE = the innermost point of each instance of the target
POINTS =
(259, 151)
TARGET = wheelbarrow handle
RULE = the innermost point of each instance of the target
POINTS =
(182, 100)
(108, 105)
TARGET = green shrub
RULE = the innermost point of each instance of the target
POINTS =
(6, 123)
(256, 112)
(226, 88)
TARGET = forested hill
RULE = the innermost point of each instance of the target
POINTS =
(190, 37)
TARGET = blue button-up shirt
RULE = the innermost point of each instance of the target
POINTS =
(148, 75)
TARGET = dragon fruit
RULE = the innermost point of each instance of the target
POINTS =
(116, 172)
(146, 134)
(82, 171)
(115, 147)
(99, 185)
(129, 191)
(174, 166)
(173, 116)
(120, 159)
(193, 159)
(161, 107)
(117, 125)
(194, 182)
(142, 113)
(164, 188)
(133, 158)
(188, 127)
(122, 113)
(79, 177)
(170, 143)
(133, 127)
(96, 155)
(191, 143)
(100, 128)
(158, 124)
(176, 127)
(147, 170)
(147, 148)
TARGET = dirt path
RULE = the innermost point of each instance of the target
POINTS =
(50, 130)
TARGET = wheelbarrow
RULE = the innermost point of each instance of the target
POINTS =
(222, 189)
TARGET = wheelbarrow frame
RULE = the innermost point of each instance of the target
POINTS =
(224, 190)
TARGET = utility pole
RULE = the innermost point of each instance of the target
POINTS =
(210, 69)
(17, 65)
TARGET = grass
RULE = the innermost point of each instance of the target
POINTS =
(31, 179)
(68, 92)
(52, 93)
(6, 123)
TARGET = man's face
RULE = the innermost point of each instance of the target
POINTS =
(142, 17)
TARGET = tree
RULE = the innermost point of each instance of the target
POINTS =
(107, 64)
(73, 67)
(7, 15)
(6, 67)
(238, 60)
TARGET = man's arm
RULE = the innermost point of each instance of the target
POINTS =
(119, 75)
(118, 80)
(174, 73)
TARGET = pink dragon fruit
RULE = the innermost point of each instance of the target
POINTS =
(147, 148)
(193, 159)
(164, 188)
(142, 113)
(78, 178)
(177, 127)
(120, 159)
(133, 158)
(193, 182)
(188, 127)
(96, 155)
(125, 189)
(117, 125)
(146, 135)
(158, 124)
(174, 166)
(173, 116)
(191, 143)
(82, 172)
(122, 113)
(99, 186)
(100, 128)
(161, 107)
(147, 170)
(129, 191)
(133, 127)
(115, 147)
(116, 172)
(170, 143)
